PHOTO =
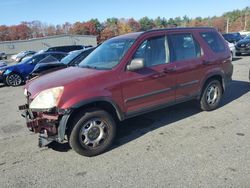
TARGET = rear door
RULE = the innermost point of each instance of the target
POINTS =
(153, 85)
(186, 55)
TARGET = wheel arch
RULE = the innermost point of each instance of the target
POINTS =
(215, 76)
(103, 103)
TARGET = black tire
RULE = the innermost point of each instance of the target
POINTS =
(237, 53)
(211, 95)
(81, 142)
(14, 79)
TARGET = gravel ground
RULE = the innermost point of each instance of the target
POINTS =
(179, 146)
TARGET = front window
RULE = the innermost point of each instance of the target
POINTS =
(153, 51)
(108, 55)
(247, 37)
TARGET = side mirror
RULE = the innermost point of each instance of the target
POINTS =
(136, 64)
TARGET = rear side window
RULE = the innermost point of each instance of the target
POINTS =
(214, 41)
(183, 47)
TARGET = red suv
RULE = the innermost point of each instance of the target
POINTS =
(124, 77)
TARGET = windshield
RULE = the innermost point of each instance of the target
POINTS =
(66, 60)
(26, 60)
(48, 59)
(247, 37)
(107, 55)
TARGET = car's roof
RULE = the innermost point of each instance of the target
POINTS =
(47, 53)
(65, 46)
(137, 34)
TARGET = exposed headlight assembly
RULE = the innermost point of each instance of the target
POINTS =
(47, 99)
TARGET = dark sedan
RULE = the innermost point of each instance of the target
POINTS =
(15, 75)
(232, 37)
(243, 46)
(74, 58)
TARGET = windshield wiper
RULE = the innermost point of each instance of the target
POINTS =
(89, 67)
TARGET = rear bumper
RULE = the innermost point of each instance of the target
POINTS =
(227, 81)
(227, 78)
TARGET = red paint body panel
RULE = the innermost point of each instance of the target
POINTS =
(145, 88)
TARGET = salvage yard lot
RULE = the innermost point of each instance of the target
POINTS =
(179, 146)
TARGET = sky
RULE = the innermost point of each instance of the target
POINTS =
(13, 12)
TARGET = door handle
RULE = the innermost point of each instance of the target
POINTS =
(169, 70)
(156, 76)
(205, 62)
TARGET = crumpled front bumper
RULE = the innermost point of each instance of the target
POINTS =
(38, 121)
(50, 125)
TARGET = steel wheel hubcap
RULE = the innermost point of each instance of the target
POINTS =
(14, 80)
(212, 94)
(93, 133)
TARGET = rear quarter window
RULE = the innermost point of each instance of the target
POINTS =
(214, 41)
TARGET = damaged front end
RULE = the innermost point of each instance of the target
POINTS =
(49, 123)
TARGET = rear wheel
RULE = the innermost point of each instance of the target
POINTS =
(211, 95)
(14, 79)
(91, 132)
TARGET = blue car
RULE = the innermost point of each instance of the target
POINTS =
(15, 75)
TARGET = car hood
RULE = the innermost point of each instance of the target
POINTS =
(10, 66)
(64, 77)
(246, 41)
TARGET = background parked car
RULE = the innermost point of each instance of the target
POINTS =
(20, 56)
(243, 46)
(232, 50)
(3, 64)
(68, 48)
(232, 37)
(72, 59)
(15, 75)
(3, 55)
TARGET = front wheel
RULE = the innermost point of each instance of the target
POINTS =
(14, 79)
(211, 95)
(91, 132)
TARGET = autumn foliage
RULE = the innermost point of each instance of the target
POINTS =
(237, 20)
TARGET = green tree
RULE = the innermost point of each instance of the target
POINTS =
(146, 23)
(160, 22)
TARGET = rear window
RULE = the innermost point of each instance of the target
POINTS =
(58, 56)
(214, 41)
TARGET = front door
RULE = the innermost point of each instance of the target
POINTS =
(153, 85)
